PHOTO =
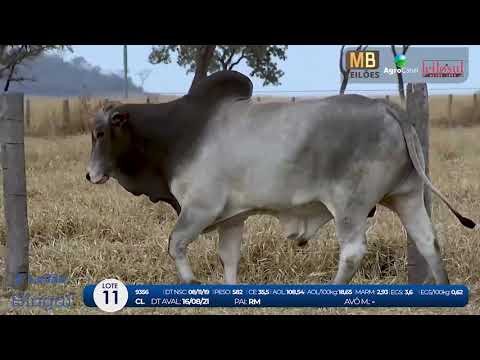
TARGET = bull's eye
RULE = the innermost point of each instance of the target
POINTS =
(100, 134)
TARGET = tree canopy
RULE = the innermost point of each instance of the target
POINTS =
(204, 59)
(12, 56)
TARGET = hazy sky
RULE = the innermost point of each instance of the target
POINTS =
(308, 67)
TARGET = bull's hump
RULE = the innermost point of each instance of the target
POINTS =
(223, 84)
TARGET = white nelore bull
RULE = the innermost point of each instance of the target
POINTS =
(218, 157)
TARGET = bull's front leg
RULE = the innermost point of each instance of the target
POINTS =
(194, 217)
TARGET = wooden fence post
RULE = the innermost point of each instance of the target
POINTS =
(14, 189)
(84, 112)
(66, 113)
(417, 108)
(81, 113)
(475, 107)
(27, 113)
(450, 106)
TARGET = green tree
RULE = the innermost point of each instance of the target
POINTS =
(204, 59)
(12, 56)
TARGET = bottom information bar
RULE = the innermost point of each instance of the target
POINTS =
(111, 293)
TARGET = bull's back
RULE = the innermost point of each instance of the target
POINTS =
(280, 154)
(335, 130)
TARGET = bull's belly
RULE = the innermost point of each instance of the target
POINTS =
(304, 192)
(275, 194)
(289, 218)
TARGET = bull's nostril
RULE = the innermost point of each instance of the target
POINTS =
(88, 176)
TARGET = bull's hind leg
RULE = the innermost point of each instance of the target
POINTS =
(414, 217)
(350, 231)
(230, 240)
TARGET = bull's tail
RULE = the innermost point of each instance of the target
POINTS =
(416, 155)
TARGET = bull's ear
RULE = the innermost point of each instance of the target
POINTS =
(223, 84)
(108, 105)
(119, 118)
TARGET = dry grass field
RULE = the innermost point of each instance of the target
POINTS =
(89, 233)
(47, 114)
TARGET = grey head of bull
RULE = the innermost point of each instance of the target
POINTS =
(109, 141)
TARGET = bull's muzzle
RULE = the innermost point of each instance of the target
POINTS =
(101, 180)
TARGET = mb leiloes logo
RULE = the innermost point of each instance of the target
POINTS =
(363, 64)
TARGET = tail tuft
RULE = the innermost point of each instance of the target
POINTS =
(302, 243)
(467, 222)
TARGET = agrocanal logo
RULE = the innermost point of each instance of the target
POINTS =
(401, 63)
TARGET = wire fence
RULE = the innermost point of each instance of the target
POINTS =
(324, 92)
(55, 116)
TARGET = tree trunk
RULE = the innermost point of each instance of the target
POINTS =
(401, 87)
(204, 57)
(343, 87)
(10, 74)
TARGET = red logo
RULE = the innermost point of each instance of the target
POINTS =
(442, 68)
